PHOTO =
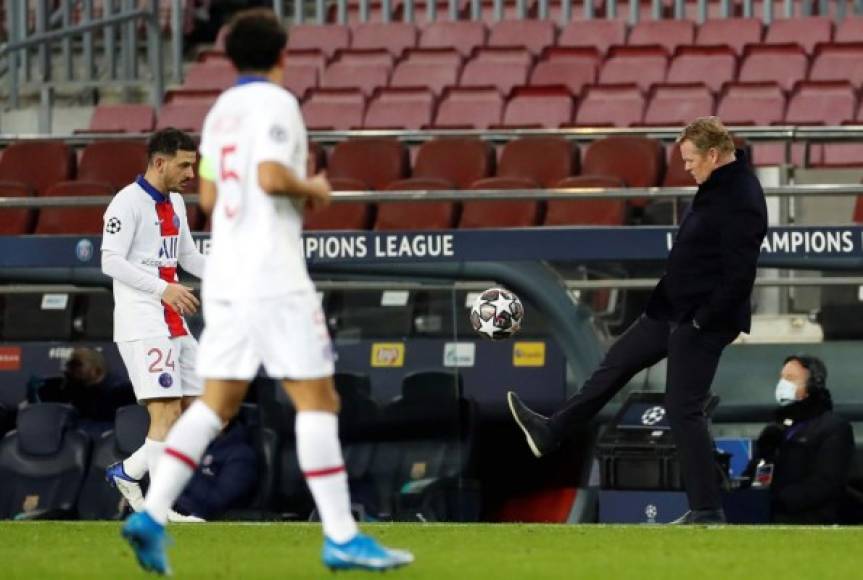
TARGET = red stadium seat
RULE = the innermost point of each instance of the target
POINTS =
(184, 96)
(598, 34)
(549, 107)
(433, 68)
(573, 67)
(365, 70)
(712, 65)
(113, 162)
(420, 215)
(327, 38)
(73, 220)
(733, 32)
(751, 104)
(334, 109)
(394, 37)
(502, 68)
(36, 164)
(14, 222)
(666, 33)
(340, 216)
(456, 162)
(641, 65)
(611, 105)
(838, 62)
(678, 104)
(475, 108)
(636, 161)
(824, 102)
(597, 212)
(463, 36)
(372, 163)
(544, 160)
(849, 30)
(785, 64)
(299, 78)
(805, 32)
(534, 35)
(500, 213)
(400, 108)
(122, 118)
(210, 76)
(310, 57)
(186, 116)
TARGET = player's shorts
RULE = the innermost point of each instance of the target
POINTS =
(162, 367)
(287, 335)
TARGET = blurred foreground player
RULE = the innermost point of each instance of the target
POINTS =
(699, 306)
(259, 302)
(146, 236)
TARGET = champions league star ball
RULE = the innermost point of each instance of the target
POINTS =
(497, 314)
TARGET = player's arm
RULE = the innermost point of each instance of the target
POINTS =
(188, 256)
(278, 179)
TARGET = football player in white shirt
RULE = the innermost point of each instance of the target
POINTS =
(146, 237)
(259, 303)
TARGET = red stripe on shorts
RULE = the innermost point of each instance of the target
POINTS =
(324, 472)
(182, 457)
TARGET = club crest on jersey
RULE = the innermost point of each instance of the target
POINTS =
(168, 250)
(166, 380)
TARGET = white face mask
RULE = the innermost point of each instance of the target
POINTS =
(786, 392)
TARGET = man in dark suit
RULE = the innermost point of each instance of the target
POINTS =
(699, 306)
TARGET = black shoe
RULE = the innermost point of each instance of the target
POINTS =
(703, 517)
(539, 436)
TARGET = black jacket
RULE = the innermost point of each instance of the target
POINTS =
(226, 476)
(711, 267)
(812, 451)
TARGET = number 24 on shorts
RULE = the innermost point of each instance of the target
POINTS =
(155, 356)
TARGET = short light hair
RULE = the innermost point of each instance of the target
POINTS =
(708, 133)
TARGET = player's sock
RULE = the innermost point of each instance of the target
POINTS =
(154, 453)
(184, 448)
(135, 465)
(320, 457)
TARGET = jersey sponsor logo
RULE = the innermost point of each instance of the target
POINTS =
(10, 358)
(528, 354)
(113, 226)
(388, 354)
(168, 250)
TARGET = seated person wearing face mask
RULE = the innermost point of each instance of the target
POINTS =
(810, 448)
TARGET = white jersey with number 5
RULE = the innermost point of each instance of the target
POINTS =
(256, 246)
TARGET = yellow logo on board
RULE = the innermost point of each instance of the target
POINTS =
(528, 354)
(388, 354)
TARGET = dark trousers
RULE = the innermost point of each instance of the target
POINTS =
(692, 359)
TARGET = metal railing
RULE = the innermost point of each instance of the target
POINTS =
(16, 53)
(321, 11)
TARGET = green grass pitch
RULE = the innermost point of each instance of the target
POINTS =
(48, 550)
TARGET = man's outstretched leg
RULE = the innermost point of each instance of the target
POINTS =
(184, 447)
(643, 344)
(320, 457)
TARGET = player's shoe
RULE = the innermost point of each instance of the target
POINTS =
(128, 487)
(178, 518)
(362, 553)
(539, 435)
(148, 540)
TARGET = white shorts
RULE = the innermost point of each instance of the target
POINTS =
(162, 367)
(287, 335)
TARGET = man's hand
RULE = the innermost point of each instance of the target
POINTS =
(319, 192)
(180, 298)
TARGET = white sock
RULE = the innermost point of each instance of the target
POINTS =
(154, 452)
(184, 447)
(135, 465)
(320, 457)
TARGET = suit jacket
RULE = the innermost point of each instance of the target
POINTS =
(711, 267)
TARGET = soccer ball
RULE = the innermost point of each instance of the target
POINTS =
(497, 314)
